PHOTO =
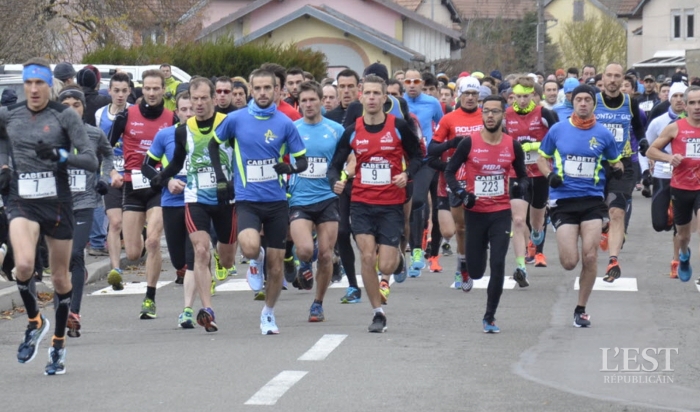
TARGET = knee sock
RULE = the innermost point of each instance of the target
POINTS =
(151, 293)
(28, 298)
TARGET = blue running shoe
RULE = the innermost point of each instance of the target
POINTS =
(490, 327)
(400, 272)
(537, 237)
(316, 313)
(458, 280)
(417, 261)
(186, 319)
(352, 295)
(256, 272)
(57, 361)
(32, 338)
(685, 272)
(314, 258)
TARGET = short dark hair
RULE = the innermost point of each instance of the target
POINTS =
(224, 79)
(164, 65)
(294, 71)
(195, 83)
(495, 98)
(550, 81)
(120, 77)
(429, 79)
(349, 73)
(591, 66)
(154, 73)
(39, 61)
(276, 70)
(444, 86)
(181, 96)
(373, 78)
(393, 81)
(311, 86)
(598, 77)
(572, 70)
(265, 73)
(309, 76)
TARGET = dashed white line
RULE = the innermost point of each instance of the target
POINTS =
(323, 348)
(273, 390)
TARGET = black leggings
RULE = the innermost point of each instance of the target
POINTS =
(660, 201)
(344, 245)
(81, 236)
(176, 236)
(421, 187)
(488, 231)
(435, 234)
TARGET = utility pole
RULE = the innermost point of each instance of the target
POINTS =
(541, 28)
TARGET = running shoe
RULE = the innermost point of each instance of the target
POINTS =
(314, 257)
(290, 270)
(458, 280)
(490, 327)
(352, 295)
(384, 290)
(73, 325)
(520, 276)
(114, 278)
(338, 272)
(268, 326)
(531, 251)
(417, 263)
(674, 269)
(685, 272)
(305, 276)
(435, 264)
(186, 319)
(316, 313)
(256, 273)
(207, 320)
(446, 249)
(540, 260)
(232, 271)
(259, 295)
(57, 361)
(604, 241)
(212, 288)
(378, 323)
(613, 272)
(537, 237)
(32, 339)
(180, 276)
(400, 272)
(244, 260)
(221, 272)
(148, 309)
(582, 320)
(467, 283)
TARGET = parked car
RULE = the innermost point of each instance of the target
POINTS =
(106, 70)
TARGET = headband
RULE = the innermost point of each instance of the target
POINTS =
(520, 89)
(74, 93)
(35, 71)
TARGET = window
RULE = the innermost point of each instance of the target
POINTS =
(689, 23)
(676, 24)
(682, 24)
(578, 10)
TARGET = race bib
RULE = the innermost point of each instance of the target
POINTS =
(616, 130)
(206, 177)
(185, 167)
(489, 186)
(375, 173)
(647, 106)
(119, 163)
(664, 167)
(260, 170)
(78, 180)
(574, 168)
(318, 167)
(531, 157)
(692, 149)
(139, 181)
(36, 185)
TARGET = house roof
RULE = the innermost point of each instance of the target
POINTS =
(629, 8)
(342, 22)
(409, 4)
(493, 9)
(414, 4)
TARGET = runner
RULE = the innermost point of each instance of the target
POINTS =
(201, 204)
(378, 193)
(684, 137)
(261, 136)
(224, 96)
(39, 135)
(576, 199)
(488, 158)
(137, 127)
(661, 212)
(620, 114)
(313, 203)
(87, 189)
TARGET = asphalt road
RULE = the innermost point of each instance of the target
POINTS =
(434, 356)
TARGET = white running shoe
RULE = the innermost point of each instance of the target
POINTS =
(268, 326)
(256, 272)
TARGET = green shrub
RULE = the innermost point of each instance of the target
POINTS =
(219, 58)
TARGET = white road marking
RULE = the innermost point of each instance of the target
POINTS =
(619, 285)
(131, 288)
(241, 285)
(483, 283)
(697, 286)
(323, 348)
(278, 386)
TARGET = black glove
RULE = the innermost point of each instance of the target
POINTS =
(520, 188)
(224, 191)
(157, 182)
(468, 199)
(46, 152)
(643, 146)
(102, 188)
(5, 180)
(554, 180)
(452, 144)
(168, 95)
(284, 168)
(617, 172)
(646, 178)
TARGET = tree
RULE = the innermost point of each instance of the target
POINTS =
(595, 40)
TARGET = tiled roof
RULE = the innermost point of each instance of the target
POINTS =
(409, 4)
(491, 9)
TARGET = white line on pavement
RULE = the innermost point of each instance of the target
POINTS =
(273, 390)
(323, 348)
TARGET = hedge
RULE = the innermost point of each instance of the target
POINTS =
(208, 59)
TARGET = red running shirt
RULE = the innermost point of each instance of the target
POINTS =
(487, 169)
(686, 176)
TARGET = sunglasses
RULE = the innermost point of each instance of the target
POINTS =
(412, 81)
(222, 91)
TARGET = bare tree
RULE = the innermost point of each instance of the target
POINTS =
(595, 40)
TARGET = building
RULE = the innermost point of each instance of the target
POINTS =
(578, 10)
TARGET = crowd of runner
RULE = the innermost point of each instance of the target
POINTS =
(292, 171)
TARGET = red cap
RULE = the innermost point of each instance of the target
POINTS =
(560, 72)
(463, 74)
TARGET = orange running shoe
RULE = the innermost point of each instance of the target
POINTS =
(435, 264)
(540, 260)
(613, 272)
(531, 252)
(604, 242)
(674, 269)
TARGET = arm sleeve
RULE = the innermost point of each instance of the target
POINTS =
(411, 148)
(179, 154)
(436, 149)
(342, 151)
(74, 127)
(549, 117)
(437, 163)
(354, 111)
(215, 157)
(4, 140)
(456, 161)
(104, 149)
(118, 126)
(637, 122)
(519, 161)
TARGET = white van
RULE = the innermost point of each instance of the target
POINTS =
(107, 70)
